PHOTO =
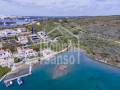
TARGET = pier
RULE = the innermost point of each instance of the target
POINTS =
(24, 72)
(17, 77)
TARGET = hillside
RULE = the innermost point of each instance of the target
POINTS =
(99, 36)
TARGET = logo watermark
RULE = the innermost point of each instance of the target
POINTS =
(62, 49)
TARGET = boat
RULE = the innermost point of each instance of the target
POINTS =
(19, 81)
(8, 83)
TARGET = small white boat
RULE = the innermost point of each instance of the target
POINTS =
(19, 81)
(8, 84)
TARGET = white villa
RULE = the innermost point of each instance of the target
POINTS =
(47, 53)
(26, 52)
(42, 35)
(22, 39)
(12, 32)
(6, 58)
(22, 31)
(8, 33)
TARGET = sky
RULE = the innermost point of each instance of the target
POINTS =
(59, 7)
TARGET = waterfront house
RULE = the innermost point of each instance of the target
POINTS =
(47, 53)
(21, 52)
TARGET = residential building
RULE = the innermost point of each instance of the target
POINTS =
(8, 33)
(47, 53)
(6, 58)
(42, 35)
(22, 31)
(22, 39)
(34, 38)
(21, 52)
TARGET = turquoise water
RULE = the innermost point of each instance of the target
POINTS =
(88, 75)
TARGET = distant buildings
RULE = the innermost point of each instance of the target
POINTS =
(13, 32)
(8, 33)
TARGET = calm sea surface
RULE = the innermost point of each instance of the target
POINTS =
(87, 75)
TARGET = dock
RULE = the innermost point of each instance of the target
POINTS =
(23, 72)
(17, 77)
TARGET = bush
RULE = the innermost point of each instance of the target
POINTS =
(17, 60)
(4, 70)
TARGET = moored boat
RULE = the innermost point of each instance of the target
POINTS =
(19, 81)
(8, 83)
